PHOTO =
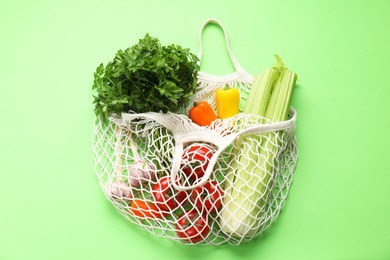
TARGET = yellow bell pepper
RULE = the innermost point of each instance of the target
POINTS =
(227, 101)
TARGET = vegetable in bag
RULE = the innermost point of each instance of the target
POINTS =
(146, 77)
(227, 101)
(245, 204)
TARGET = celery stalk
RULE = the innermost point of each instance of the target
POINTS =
(258, 97)
(246, 196)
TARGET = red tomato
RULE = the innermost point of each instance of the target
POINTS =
(165, 195)
(192, 227)
(142, 209)
(208, 197)
(196, 158)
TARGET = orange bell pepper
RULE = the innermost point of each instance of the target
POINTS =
(202, 114)
(227, 101)
(142, 209)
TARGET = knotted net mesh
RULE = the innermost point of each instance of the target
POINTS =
(225, 183)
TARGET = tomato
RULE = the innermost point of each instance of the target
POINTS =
(208, 197)
(196, 158)
(142, 209)
(165, 196)
(192, 226)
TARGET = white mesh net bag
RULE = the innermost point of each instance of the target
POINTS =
(224, 183)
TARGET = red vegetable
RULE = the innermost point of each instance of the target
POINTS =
(196, 158)
(192, 226)
(166, 197)
(208, 197)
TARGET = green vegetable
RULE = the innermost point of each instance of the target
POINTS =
(244, 205)
(146, 77)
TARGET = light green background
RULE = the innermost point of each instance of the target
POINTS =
(51, 204)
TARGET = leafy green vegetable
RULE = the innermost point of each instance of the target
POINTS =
(146, 77)
(248, 186)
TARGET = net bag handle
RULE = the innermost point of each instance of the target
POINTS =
(222, 142)
(234, 61)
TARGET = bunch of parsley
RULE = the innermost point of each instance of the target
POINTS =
(146, 77)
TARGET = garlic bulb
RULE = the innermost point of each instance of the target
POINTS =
(141, 171)
(119, 190)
